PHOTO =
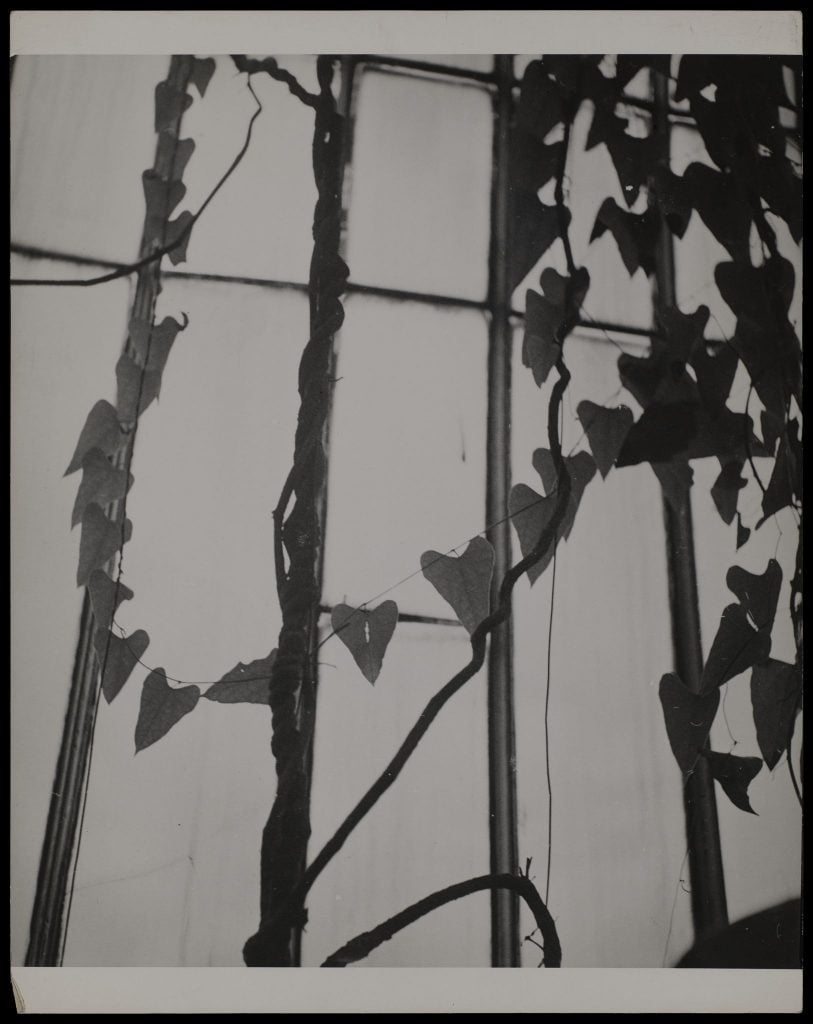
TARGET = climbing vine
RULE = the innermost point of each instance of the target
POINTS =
(746, 197)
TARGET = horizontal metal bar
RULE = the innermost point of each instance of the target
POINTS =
(448, 70)
(426, 620)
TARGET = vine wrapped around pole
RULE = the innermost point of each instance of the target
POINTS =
(285, 837)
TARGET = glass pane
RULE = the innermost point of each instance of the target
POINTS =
(259, 225)
(82, 133)
(591, 177)
(419, 215)
(407, 451)
(429, 830)
(617, 817)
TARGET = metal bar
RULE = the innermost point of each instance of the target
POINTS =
(505, 949)
(447, 70)
(709, 908)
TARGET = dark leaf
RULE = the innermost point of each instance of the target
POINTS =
(100, 540)
(119, 656)
(780, 490)
(137, 388)
(669, 191)
(101, 483)
(683, 332)
(102, 430)
(660, 433)
(722, 130)
(581, 469)
(530, 513)
(169, 105)
(628, 65)
(161, 198)
(758, 595)
(534, 228)
(715, 374)
(722, 207)
(688, 717)
(105, 597)
(244, 684)
(735, 775)
(152, 343)
(743, 533)
(464, 582)
(737, 646)
(539, 107)
(202, 70)
(726, 488)
(366, 632)
(533, 163)
(635, 234)
(178, 231)
(771, 430)
(606, 431)
(775, 692)
(540, 345)
(161, 707)
(634, 158)
(675, 479)
(184, 149)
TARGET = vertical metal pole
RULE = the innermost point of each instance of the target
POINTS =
(709, 909)
(505, 950)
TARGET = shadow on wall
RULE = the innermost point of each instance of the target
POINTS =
(769, 939)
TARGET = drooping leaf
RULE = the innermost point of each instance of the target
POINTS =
(532, 163)
(540, 346)
(688, 717)
(661, 432)
(102, 430)
(540, 106)
(530, 513)
(169, 105)
(669, 191)
(184, 148)
(782, 190)
(758, 594)
(634, 158)
(136, 388)
(735, 775)
(161, 196)
(152, 344)
(366, 632)
(635, 234)
(726, 488)
(683, 332)
(743, 533)
(534, 228)
(119, 656)
(675, 478)
(178, 231)
(464, 582)
(581, 469)
(771, 430)
(105, 597)
(162, 706)
(606, 430)
(100, 540)
(715, 374)
(244, 684)
(722, 207)
(775, 692)
(101, 483)
(736, 647)
(779, 492)
(202, 70)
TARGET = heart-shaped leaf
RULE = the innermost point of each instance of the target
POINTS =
(540, 345)
(244, 684)
(581, 469)
(137, 387)
(169, 105)
(743, 533)
(161, 197)
(102, 430)
(119, 656)
(688, 717)
(715, 375)
(735, 775)
(184, 148)
(606, 430)
(152, 343)
(534, 228)
(726, 488)
(736, 647)
(530, 513)
(100, 540)
(779, 492)
(105, 597)
(101, 483)
(757, 594)
(162, 706)
(532, 163)
(635, 234)
(202, 70)
(775, 691)
(177, 235)
(722, 207)
(366, 632)
(464, 582)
